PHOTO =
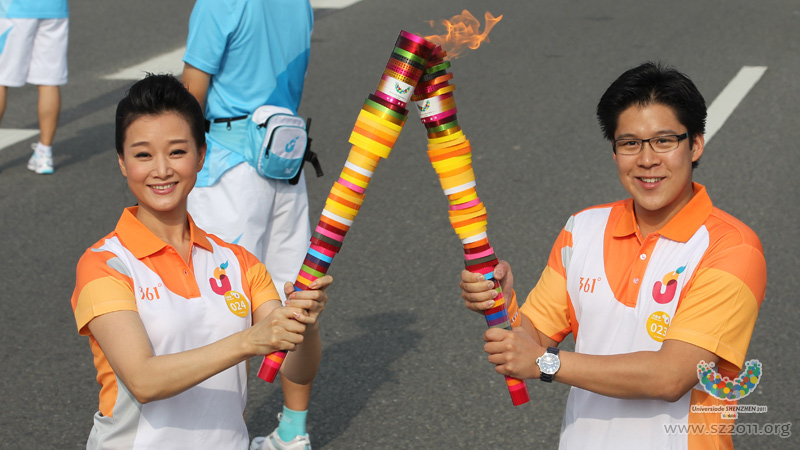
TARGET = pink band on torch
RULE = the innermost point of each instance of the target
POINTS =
(390, 99)
(466, 205)
(483, 270)
(351, 186)
(329, 233)
(440, 116)
(470, 256)
(415, 38)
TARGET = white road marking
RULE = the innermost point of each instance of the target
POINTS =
(332, 4)
(172, 62)
(730, 97)
(10, 136)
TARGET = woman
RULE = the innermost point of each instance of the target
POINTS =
(173, 313)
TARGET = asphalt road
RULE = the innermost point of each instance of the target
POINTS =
(403, 366)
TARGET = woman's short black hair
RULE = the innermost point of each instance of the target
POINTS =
(154, 95)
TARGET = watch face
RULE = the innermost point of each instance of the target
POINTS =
(549, 363)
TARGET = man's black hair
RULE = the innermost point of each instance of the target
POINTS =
(648, 84)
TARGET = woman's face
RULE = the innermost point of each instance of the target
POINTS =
(160, 160)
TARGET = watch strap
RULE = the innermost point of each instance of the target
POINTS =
(548, 377)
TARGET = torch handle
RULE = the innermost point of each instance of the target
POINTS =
(272, 363)
(271, 366)
(497, 316)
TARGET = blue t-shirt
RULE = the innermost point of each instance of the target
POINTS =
(34, 9)
(257, 54)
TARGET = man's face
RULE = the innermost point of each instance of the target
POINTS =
(660, 183)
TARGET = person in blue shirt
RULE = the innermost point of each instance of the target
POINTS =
(240, 55)
(33, 49)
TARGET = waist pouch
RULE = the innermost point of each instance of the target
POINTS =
(279, 144)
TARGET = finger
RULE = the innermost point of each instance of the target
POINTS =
(470, 277)
(496, 334)
(283, 322)
(288, 341)
(316, 295)
(312, 307)
(501, 269)
(478, 292)
(288, 288)
(290, 331)
(487, 298)
(476, 286)
(497, 359)
(502, 369)
(305, 318)
(302, 303)
(479, 306)
(496, 347)
(321, 283)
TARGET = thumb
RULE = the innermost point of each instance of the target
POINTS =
(499, 271)
(494, 335)
(502, 270)
(288, 288)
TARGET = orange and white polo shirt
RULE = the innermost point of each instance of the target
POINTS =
(183, 306)
(700, 279)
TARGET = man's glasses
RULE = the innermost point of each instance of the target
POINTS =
(659, 144)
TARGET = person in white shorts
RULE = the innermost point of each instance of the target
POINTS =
(249, 54)
(33, 49)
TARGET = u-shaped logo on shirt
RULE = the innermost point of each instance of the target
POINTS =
(664, 290)
(220, 283)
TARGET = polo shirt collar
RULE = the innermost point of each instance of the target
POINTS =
(142, 242)
(681, 227)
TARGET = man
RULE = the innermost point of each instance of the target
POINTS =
(240, 55)
(650, 287)
(33, 49)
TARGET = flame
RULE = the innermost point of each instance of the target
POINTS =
(462, 32)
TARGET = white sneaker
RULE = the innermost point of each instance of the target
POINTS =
(274, 442)
(40, 162)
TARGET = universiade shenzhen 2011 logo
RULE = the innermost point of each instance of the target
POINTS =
(724, 388)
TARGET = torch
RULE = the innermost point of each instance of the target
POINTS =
(451, 156)
(376, 130)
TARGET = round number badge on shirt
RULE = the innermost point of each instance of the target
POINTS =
(237, 303)
(657, 325)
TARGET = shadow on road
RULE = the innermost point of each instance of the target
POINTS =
(351, 371)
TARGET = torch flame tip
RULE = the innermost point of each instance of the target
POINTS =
(463, 32)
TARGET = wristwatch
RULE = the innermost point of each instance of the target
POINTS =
(548, 364)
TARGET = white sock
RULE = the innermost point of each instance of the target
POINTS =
(42, 149)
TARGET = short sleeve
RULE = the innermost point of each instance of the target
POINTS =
(102, 286)
(210, 26)
(718, 312)
(262, 288)
(548, 305)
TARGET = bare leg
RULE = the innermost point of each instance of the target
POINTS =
(49, 109)
(295, 396)
(3, 92)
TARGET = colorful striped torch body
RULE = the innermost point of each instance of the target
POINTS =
(451, 156)
(376, 130)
